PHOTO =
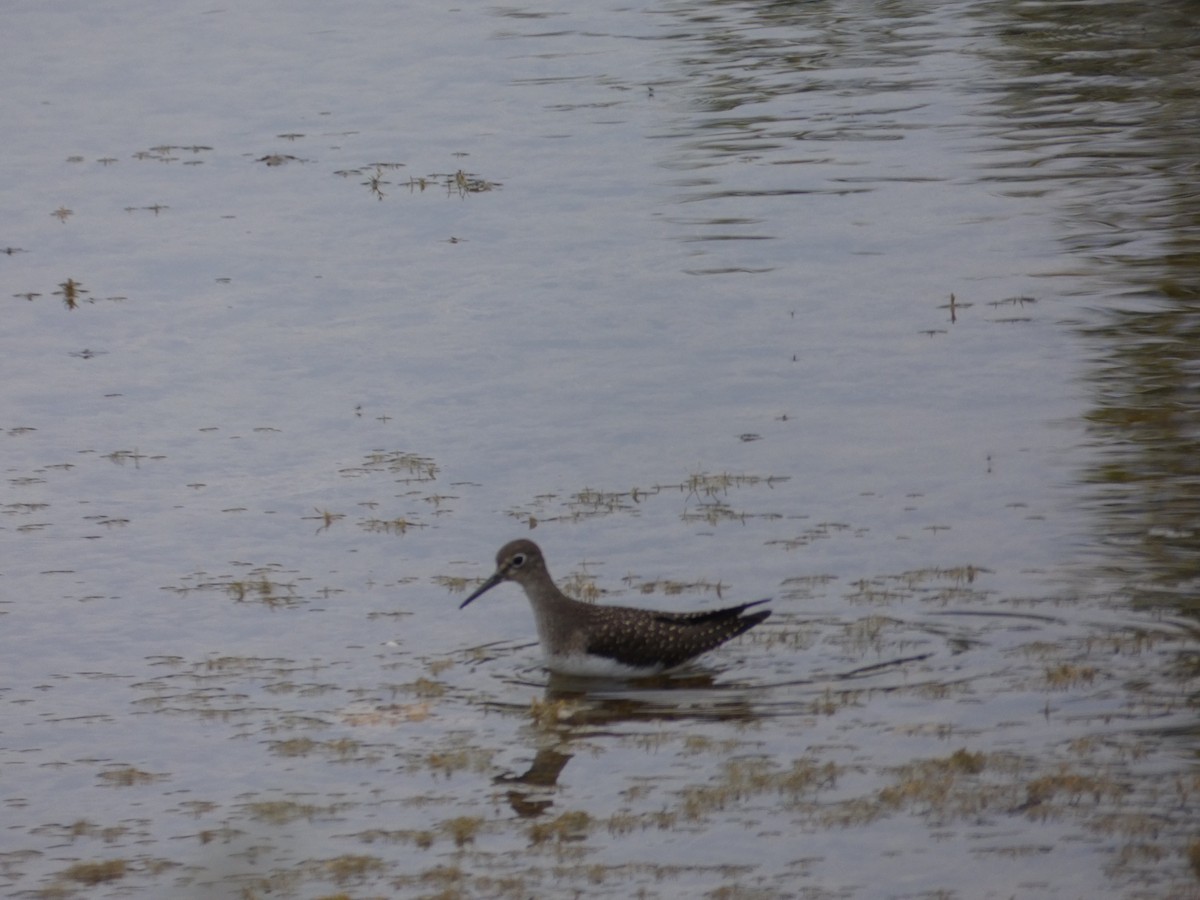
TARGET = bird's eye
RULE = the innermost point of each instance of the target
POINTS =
(517, 561)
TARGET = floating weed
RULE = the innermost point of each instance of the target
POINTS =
(832, 702)
(697, 743)
(439, 500)
(582, 586)
(939, 585)
(466, 183)
(279, 159)
(165, 152)
(127, 776)
(1012, 301)
(398, 525)
(707, 484)
(458, 759)
(622, 823)
(1132, 825)
(582, 505)
(121, 457)
(341, 750)
(867, 633)
(625, 822)
(744, 778)
(84, 828)
(351, 866)
(943, 787)
(422, 687)
(421, 838)
(326, 518)
(392, 613)
(969, 784)
(671, 588)
(637, 791)
(1067, 675)
(1134, 641)
(710, 488)
(1073, 786)
(347, 749)
(713, 513)
(96, 872)
(298, 747)
(817, 532)
(387, 716)
(593, 501)
(462, 829)
(931, 579)
(962, 760)
(413, 467)
(1042, 649)
(261, 584)
(449, 877)
(454, 583)
(570, 826)
(792, 636)
(71, 291)
(259, 588)
(240, 664)
(22, 509)
(107, 521)
(281, 812)
(942, 690)
(375, 182)
(458, 183)
(804, 587)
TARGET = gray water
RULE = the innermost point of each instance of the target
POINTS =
(886, 311)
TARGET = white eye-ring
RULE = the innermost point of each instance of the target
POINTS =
(518, 561)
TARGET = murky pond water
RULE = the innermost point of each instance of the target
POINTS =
(885, 311)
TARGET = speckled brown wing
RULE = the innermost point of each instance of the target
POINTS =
(648, 639)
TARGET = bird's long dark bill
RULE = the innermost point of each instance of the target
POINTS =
(483, 589)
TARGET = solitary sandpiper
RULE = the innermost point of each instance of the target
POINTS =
(614, 641)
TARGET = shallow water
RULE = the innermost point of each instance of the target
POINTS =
(882, 310)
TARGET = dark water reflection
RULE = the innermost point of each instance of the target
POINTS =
(1102, 101)
(797, 85)
(1092, 107)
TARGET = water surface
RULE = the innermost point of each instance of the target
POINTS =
(882, 310)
